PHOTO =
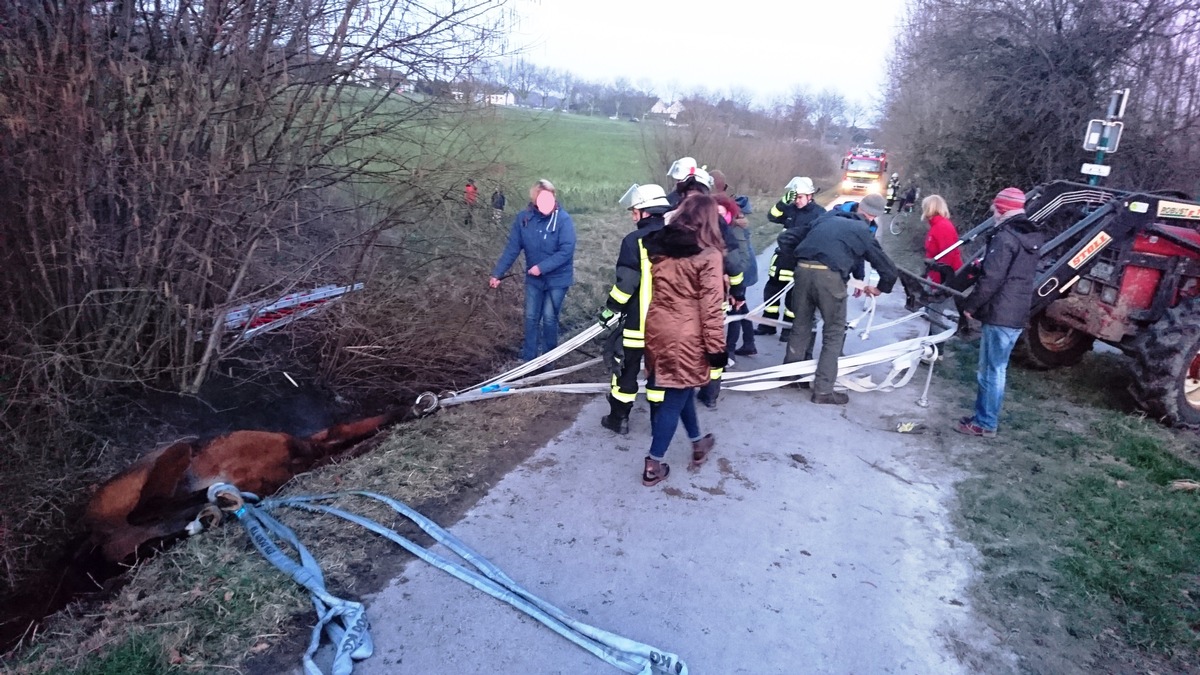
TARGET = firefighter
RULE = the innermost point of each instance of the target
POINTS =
(796, 209)
(630, 296)
(893, 191)
(693, 179)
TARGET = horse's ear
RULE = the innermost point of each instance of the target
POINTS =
(162, 483)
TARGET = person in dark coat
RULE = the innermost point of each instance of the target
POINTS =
(498, 202)
(835, 248)
(630, 297)
(1001, 302)
(544, 231)
(796, 210)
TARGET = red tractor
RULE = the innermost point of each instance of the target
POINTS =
(1119, 267)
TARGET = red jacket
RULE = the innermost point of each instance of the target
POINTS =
(471, 194)
(941, 236)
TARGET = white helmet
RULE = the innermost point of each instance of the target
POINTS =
(682, 168)
(895, 175)
(801, 185)
(703, 177)
(644, 197)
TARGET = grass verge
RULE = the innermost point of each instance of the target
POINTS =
(1088, 554)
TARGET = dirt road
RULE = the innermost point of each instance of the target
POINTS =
(815, 541)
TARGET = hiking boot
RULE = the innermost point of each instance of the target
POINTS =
(745, 351)
(832, 398)
(764, 330)
(619, 425)
(785, 334)
(970, 428)
(700, 450)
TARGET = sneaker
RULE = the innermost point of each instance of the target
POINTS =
(764, 330)
(832, 398)
(619, 425)
(970, 428)
(745, 351)
(730, 363)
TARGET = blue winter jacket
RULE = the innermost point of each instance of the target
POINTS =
(548, 242)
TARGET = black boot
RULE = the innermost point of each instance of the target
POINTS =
(785, 334)
(762, 329)
(619, 425)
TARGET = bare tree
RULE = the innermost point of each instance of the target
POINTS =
(829, 107)
(975, 110)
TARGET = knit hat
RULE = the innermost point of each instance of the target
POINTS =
(872, 205)
(1009, 199)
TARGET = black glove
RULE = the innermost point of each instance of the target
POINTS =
(718, 360)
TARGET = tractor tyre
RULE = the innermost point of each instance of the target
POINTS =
(1049, 344)
(1166, 367)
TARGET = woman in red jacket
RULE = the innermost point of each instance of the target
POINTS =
(942, 235)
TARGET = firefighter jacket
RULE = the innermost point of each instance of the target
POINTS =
(783, 263)
(782, 212)
(631, 293)
(685, 329)
(1004, 293)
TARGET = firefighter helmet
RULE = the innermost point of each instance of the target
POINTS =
(801, 185)
(682, 168)
(644, 197)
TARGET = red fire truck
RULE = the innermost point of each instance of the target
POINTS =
(864, 171)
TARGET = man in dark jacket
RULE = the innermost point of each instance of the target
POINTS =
(630, 295)
(797, 212)
(1001, 302)
(835, 247)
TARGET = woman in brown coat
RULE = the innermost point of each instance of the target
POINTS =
(685, 331)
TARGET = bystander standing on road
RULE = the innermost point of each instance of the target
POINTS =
(685, 335)
(1001, 302)
(836, 246)
(543, 230)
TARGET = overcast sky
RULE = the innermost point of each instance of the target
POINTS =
(768, 47)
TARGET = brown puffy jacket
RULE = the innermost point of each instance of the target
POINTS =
(685, 320)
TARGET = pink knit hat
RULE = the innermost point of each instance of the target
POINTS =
(1009, 199)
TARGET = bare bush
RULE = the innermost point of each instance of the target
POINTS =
(752, 164)
(161, 163)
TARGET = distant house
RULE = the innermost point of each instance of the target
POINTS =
(505, 98)
(664, 110)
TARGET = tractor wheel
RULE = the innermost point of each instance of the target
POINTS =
(1166, 367)
(1049, 344)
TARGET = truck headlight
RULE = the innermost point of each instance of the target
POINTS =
(847, 184)
(873, 188)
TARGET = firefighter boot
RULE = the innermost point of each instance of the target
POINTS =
(617, 419)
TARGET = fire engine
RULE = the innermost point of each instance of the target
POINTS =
(864, 171)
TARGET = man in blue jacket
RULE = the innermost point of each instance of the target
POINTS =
(545, 233)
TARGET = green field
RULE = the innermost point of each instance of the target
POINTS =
(590, 160)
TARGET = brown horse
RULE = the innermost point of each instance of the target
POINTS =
(159, 495)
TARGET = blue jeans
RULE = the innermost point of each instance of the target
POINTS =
(542, 307)
(995, 346)
(677, 404)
